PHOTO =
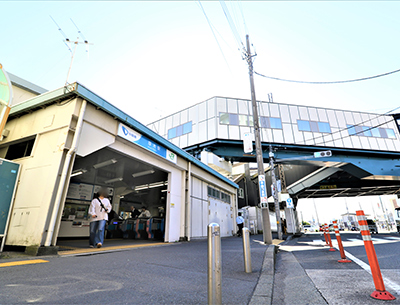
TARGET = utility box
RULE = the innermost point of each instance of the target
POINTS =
(9, 172)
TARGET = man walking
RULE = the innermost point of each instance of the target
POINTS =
(240, 223)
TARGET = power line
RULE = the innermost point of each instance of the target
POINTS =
(327, 83)
(231, 24)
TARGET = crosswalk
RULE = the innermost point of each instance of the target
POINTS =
(383, 239)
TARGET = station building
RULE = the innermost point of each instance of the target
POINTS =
(69, 142)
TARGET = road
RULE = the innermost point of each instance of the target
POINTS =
(307, 273)
(170, 274)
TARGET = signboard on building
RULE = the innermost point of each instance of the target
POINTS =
(289, 203)
(134, 137)
(80, 191)
(247, 142)
(263, 189)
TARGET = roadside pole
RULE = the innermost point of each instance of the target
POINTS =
(267, 234)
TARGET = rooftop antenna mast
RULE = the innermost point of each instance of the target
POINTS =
(69, 44)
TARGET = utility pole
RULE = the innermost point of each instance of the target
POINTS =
(267, 235)
(275, 193)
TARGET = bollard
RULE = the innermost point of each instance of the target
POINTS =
(339, 241)
(380, 293)
(246, 250)
(326, 238)
(328, 235)
(214, 264)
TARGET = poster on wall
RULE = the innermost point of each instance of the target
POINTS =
(80, 191)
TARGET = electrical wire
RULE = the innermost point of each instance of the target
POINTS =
(327, 83)
(231, 24)
(215, 36)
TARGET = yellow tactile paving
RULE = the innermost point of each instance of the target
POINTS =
(91, 250)
(20, 263)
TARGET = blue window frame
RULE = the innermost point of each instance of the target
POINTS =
(264, 122)
(375, 132)
(314, 126)
(275, 123)
(359, 130)
(303, 125)
(390, 133)
(324, 127)
(179, 130)
(187, 128)
(233, 119)
(382, 132)
(171, 133)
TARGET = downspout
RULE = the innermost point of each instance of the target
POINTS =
(188, 202)
(64, 173)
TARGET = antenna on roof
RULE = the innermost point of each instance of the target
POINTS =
(68, 43)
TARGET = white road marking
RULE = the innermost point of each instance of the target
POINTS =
(392, 285)
(392, 237)
(353, 239)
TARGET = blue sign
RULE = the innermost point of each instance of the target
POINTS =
(135, 137)
(263, 189)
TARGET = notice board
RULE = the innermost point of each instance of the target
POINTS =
(8, 181)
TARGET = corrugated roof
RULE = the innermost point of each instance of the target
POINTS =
(24, 84)
(79, 90)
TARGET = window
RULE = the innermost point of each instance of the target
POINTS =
(367, 131)
(264, 122)
(324, 127)
(241, 193)
(275, 123)
(390, 133)
(212, 192)
(233, 119)
(20, 150)
(375, 132)
(243, 120)
(180, 130)
(303, 125)
(224, 118)
(382, 132)
(314, 126)
(351, 130)
(359, 130)
(225, 197)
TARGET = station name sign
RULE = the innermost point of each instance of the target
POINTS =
(134, 137)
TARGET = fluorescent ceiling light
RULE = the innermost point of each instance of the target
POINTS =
(143, 173)
(78, 172)
(141, 187)
(164, 191)
(105, 163)
(114, 180)
(156, 184)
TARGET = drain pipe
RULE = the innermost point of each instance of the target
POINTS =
(188, 209)
(64, 173)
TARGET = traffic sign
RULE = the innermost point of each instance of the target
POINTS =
(289, 203)
(263, 189)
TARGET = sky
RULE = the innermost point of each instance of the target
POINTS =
(151, 59)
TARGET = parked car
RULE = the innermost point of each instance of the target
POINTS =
(373, 229)
(354, 228)
(309, 228)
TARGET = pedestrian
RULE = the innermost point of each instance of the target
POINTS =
(134, 212)
(98, 210)
(145, 213)
(240, 223)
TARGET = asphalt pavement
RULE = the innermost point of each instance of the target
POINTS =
(166, 274)
(307, 273)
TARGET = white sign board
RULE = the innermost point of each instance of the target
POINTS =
(80, 191)
(289, 203)
(247, 142)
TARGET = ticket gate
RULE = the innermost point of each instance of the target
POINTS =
(141, 228)
(155, 228)
(127, 228)
(113, 229)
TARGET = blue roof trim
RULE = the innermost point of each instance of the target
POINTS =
(131, 122)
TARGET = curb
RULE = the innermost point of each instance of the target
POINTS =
(264, 289)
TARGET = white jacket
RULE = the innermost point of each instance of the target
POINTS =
(96, 209)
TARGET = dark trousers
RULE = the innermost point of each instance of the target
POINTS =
(239, 232)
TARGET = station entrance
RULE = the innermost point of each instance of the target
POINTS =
(133, 185)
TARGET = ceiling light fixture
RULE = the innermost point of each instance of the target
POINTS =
(78, 172)
(144, 173)
(105, 163)
(141, 187)
(114, 180)
(156, 184)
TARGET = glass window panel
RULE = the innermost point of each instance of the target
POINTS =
(243, 120)
(375, 132)
(275, 123)
(367, 131)
(179, 130)
(382, 132)
(351, 129)
(171, 133)
(223, 118)
(324, 127)
(359, 130)
(314, 126)
(251, 122)
(233, 119)
(398, 123)
(303, 125)
(390, 133)
(264, 122)
(187, 128)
